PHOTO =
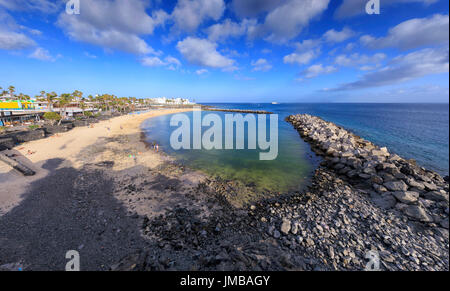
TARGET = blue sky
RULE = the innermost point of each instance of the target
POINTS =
(229, 51)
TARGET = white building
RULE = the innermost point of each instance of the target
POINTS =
(6, 96)
(171, 101)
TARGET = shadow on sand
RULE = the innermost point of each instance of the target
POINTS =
(68, 210)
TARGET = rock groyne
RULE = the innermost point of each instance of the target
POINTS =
(237, 110)
(397, 183)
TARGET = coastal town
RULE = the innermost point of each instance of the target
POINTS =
(148, 212)
(21, 109)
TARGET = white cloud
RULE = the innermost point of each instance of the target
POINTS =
(173, 61)
(305, 52)
(288, 20)
(251, 8)
(413, 33)
(10, 40)
(349, 47)
(170, 62)
(232, 53)
(45, 6)
(316, 70)
(404, 68)
(357, 59)
(152, 62)
(285, 19)
(300, 58)
(229, 28)
(308, 44)
(310, 49)
(261, 65)
(201, 71)
(351, 8)
(114, 25)
(91, 56)
(335, 36)
(42, 55)
(189, 14)
(203, 52)
(34, 31)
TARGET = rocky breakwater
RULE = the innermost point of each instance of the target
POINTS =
(394, 183)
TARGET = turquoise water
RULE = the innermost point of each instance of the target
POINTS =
(414, 131)
(288, 172)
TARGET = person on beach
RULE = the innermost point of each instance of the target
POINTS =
(157, 148)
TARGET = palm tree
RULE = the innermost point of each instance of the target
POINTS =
(42, 97)
(11, 89)
(83, 106)
(77, 94)
(50, 97)
(64, 100)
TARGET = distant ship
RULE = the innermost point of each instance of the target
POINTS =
(274, 103)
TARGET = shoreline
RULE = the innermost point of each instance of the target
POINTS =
(67, 146)
(149, 213)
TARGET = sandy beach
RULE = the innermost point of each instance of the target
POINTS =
(76, 148)
(93, 187)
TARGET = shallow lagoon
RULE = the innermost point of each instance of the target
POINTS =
(288, 172)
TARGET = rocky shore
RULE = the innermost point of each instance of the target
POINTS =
(361, 199)
(149, 213)
(421, 195)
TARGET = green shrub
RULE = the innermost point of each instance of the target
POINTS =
(98, 114)
(2, 128)
(52, 116)
(88, 114)
(33, 127)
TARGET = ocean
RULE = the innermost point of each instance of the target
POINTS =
(413, 131)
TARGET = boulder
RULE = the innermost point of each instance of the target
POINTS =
(285, 226)
(384, 201)
(407, 197)
(376, 179)
(444, 223)
(380, 153)
(418, 213)
(347, 154)
(396, 186)
(436, 196)
(430, 186)
(379, 188)
(413, 183)
(339, 166)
